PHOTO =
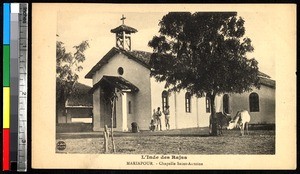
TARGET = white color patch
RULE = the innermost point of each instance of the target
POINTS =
(14, 7)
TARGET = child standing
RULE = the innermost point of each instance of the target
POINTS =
(167, 117)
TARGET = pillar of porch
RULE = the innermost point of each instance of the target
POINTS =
(124, 112)
(96, 110)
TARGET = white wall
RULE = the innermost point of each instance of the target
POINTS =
(119, 113)
(186, 119)
(96, 110)
(131, 117)
(203, 118)
(179, 118)
(266, 112)
(219, 103)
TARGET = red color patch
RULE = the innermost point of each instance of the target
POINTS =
(6, 145)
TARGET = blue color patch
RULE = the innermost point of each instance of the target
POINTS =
(6, 23)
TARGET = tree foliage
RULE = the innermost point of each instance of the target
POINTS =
(204, 53)
(67, 66)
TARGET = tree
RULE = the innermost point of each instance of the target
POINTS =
(111, 98)
(204, 53)
(67, 67)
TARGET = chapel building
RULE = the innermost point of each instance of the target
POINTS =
(127, 73)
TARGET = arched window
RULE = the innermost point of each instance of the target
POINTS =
(226, 104)
(129, 107)
(207, 103)
(254, 102)
(187, 102)
(165, 99)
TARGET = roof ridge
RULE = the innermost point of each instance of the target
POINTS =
(142, 51)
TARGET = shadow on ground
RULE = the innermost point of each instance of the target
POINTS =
(188, 132)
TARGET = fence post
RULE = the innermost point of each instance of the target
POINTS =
(106, 137)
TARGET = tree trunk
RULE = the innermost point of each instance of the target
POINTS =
(112, 124)
(214, 125)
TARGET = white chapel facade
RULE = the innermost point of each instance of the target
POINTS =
(127, 72)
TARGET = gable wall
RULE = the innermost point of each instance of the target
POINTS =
(137, 75)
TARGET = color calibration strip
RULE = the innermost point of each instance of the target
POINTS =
(6, 87)
(15, 52)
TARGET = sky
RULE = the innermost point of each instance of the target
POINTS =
(95, 27)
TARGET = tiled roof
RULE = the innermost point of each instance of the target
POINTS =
(267, 82)
(118, 82)
(125, 28)
(141, 55)
(80, 96)
(261, 74)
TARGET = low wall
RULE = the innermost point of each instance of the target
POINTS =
(74, 127)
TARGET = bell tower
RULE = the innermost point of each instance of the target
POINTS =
(123, 35)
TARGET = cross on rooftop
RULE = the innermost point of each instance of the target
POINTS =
(123, 19)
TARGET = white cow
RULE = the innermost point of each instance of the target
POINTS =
(241, 120)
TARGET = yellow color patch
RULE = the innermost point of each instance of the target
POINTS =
(6, 107)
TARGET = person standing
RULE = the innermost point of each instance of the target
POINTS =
(167, 117)
(152, 125)
(158, 118)
(154, 115)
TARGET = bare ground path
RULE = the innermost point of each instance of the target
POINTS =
(183, 141)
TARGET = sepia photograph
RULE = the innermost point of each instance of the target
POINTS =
(196, 82)
(164, 88)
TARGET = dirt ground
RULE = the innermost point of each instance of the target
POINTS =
(187, 141)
